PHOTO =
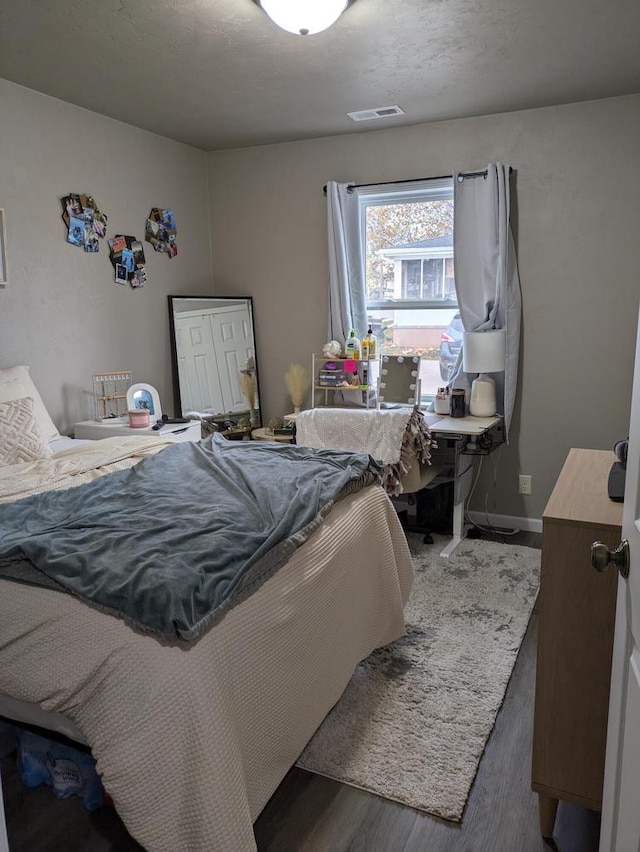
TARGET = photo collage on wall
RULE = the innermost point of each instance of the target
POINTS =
(161, 231)
(127, 257)
(85, 223)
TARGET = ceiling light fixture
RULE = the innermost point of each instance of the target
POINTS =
(304, 17)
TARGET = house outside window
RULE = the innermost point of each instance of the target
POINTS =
(407, 239)
(423, 270)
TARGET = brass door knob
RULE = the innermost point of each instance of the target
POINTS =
(601, 556)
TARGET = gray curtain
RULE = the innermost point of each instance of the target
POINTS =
(486, 271)
(347, 299)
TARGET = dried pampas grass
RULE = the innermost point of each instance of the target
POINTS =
(297, 380)
(249, 387)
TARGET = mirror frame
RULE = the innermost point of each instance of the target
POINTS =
(174, 352)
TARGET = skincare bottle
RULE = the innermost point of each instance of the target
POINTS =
(371, 341)
(352, 346)
(442, 402)
(365, 378)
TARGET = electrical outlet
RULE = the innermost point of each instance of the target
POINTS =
(524, 484)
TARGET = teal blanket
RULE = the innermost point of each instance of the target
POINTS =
(173, 543)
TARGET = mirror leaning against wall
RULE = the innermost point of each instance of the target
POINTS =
(213, 357)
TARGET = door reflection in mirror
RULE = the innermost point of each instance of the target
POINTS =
(214, 359)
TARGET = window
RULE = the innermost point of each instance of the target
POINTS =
(407, 239)
(430, 279)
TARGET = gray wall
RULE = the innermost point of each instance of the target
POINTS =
(62, 313)
(577, 224)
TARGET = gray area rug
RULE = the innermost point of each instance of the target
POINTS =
(415, 718)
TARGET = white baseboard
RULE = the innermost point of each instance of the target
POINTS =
(506, 521)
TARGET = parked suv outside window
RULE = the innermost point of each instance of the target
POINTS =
(450, 346)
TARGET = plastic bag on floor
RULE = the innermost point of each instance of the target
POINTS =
(68, 771)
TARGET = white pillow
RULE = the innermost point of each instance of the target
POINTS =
(20, 439)
(16, 383)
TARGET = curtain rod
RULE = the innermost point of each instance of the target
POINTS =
(483, 173)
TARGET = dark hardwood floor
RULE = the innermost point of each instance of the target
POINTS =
(309, 813)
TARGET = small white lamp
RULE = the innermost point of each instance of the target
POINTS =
(483, 352)
(304, 17)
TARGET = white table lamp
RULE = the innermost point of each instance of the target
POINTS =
(483, 352)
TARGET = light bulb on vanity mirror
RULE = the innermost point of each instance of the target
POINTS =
(483, 352)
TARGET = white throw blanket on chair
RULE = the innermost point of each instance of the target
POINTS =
(394, 437)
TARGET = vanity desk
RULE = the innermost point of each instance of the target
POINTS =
(576, 615)
(457, 442)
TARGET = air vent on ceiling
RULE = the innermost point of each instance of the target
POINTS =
(379, 112)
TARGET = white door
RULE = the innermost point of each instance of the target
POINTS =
(620, 831)
(233, 340)
(200, 388)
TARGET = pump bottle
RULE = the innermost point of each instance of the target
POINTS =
(371, 343)
(352, 346)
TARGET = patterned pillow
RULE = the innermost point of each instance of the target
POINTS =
(16, 383)
(19, 435)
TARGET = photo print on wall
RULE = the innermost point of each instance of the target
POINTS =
(86, 224)
(161, 231)
(127, 257)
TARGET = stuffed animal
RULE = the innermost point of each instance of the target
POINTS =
(332, 349)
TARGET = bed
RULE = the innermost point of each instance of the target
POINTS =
(191, 740)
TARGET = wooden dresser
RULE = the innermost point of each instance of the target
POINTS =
(576, 608)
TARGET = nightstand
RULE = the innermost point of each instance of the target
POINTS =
(95, 430)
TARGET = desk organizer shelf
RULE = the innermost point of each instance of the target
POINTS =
(330, 375)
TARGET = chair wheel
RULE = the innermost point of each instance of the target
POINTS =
(428, 539)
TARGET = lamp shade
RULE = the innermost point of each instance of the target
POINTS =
(484, 351)
(304, 17)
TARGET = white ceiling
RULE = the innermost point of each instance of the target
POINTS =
(219, 74)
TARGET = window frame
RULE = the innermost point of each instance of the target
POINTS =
(433, 189)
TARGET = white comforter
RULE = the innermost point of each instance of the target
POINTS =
(192, 743)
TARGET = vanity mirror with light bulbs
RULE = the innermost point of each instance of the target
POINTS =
(213, 355)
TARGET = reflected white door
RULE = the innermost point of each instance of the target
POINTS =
(200, 388)
(620, 830)
(233, 339)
